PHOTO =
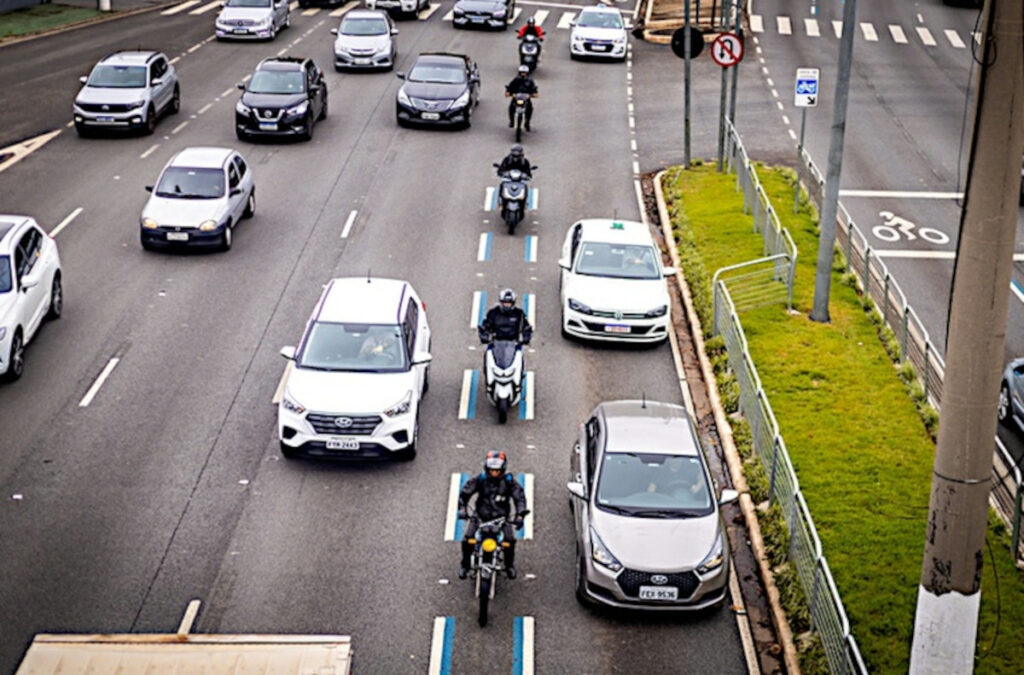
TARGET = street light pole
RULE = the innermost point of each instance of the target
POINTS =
(686, 86)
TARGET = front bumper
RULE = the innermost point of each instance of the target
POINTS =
(597, 50)
(451, 117)
(400, 5)
(158, 237)
(391, 435)
(608, 329)
(602, 586)
(133, 119)
(244, 32)
(363, 61)
(285, 125)
(479, 21)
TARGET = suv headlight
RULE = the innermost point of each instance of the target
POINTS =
(150, 224)
(265, 21)
(291, 405)
(620, 40)
(403, 98)
(601, 555)
(656, 312)
(242, 109)
(461, 102)
(207, 225)
(136, 104)
(714, 559)
(300, 109)
(577, 306)
(401, 407)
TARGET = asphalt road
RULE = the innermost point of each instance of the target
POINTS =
(170, 486)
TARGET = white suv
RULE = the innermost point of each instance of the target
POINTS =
(359, 373)
(598, 32)
(127, 90)
(30, 288)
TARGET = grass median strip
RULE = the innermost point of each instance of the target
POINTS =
(860, 449)
(42, 18)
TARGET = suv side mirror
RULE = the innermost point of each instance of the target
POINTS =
(533, 168)
(421, 358)
(83, 79)
(288, 352)
(394, 31)
(728, 497)
(334, 31)
(576, 489)
(241, 85)
(400, 75)
(564, 263)
(149, 188)
(670, 271)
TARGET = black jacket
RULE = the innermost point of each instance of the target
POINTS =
(493, 496)
(506, 325)
(521, 85)
(510, 162)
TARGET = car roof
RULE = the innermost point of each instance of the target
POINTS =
(365, 14)
(442, 57)
(648, 426)
(201, 157)
(371, 300)
(282, 63)
(613, 231)
(130, 58)
(8, 225)
(601, 8)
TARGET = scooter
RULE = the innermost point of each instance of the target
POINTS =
(513, 197)
(529, 51)
(503, 374)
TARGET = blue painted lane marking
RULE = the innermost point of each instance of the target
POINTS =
(533, 199)
(522, 645)
(442, 644)
(483, 251)
(530, 248)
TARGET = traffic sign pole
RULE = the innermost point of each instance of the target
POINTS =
(799, 160)
(726, 51)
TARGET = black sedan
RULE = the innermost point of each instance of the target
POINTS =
(440, 89)
(285, 97)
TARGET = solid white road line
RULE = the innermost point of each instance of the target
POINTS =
(792, 134)
(481, 249)
(869, 32)
(348, 224)
(474, 312)
(67, 221)
(279, 392)
(311, 12)
(785, 120)
(756, 23)
(528, 638)
(954, 39)
(440, 647)
(926, 36)
(915, 255)
(784, 26)
(530, 396)
(149, 151)
(453, 507)
(206, 8)
(104, 374)
(565, 22)
(897, 194)
(811, 25)
(467, 391)
(179, 8)
(540, 15)
(531, 312)
(897, 34)
(837, 28)
(488, 197)
(429, 11)
(528, 493)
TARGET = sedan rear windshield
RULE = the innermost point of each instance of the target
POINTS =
(118, 77)
(185, 183)
(364, 27)
(249, 3)
(436, 73)
(653, 485)
(277, 82)
(599, 20)
(351, 347)
(5, 274)
(625, 261)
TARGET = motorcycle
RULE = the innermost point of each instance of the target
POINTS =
(503, 373)
(529, 51)
(519, 113)
(488, 560)
(513, 194)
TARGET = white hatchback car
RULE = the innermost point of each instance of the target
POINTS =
(359, 373)
(613, 284)
(598, 32)
(31, 288)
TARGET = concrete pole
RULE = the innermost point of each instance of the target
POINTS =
(724, 23)
(830, 203)
(945, 625)
(686, 85)
(735, 69)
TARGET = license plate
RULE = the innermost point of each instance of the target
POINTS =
(599, 48)
(241, 31)
(268, 126)
(104, 118)
(430, 116)
(616, 328)
(476, 19)
(342, 444)
(362, 62)
(659, 593)
(177, 236)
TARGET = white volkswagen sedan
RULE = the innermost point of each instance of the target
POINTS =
(613, 283)
(358, 374)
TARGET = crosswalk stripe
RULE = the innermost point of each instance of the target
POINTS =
(898, 35)
(311, 12)
(344, 8)
(954, 39)
(756, 23)
(429, 11)
(811, 25)
(785, 27)
(926, 36)
(516, 13)
(869, 32)
(565, 22)
(540, 16)
(179, 8)
(206, 8)
(837, 28)
(449, 15)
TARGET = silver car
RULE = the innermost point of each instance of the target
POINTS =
(649, 534)
(365, 40)
(127, 90)
(252, 19)
(201, 195)
(1010, 410)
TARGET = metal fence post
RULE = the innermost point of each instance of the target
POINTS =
(867, 271)
(906, 327)
(775, 462)
(814, 591)
(927, 367)
(885, 300)
(849, 244)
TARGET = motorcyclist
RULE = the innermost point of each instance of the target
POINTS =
(505, 321)
(496, 491)
(515, 159)
(530, 27)
(522, 83)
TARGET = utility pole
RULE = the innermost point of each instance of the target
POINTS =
(686, 85)
(830, 204)
(945, 625)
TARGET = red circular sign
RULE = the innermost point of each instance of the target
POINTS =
(727, 49)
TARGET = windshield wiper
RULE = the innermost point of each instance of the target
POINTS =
(616, 509)
(665, 513)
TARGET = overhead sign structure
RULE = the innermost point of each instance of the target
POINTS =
(727, 49)
(805, 93)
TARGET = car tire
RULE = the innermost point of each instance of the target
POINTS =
(241, 135)
(288, 20)
(323, 111)
(426, 381)
(288, 451)
(16, 358)
(250, 205)
(150, 120)
(56, 298)
(1004, 409)
(227, 238)
(308, 135)
(273, 32)
(174, 107)
(580, 581)
(83, 131)
(409, 453)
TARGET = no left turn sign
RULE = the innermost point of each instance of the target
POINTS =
(727, 49)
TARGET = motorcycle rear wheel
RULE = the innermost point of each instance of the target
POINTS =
(485, 599)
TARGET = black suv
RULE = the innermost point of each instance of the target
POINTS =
(285, 97)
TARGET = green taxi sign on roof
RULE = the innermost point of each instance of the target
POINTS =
(616, 225)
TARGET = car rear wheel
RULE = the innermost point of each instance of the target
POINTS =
(174, 107)
(56, 299)
(16, 358)
(250, 205)
(323, 111)
(1003, 409)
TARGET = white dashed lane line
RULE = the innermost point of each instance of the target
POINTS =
(226, 92)
(311, 12)
(205, 108)
(442, 643)
(194, 47)
(206, 8)
(869, 32)
(478, 309)
(179, 8)
(149, 151)
(898, 35)
(926, 36)
(94, 389)
(179, 127)
(64, 223)
(348, 224)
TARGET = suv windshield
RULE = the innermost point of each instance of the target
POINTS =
(364, 27)
(185, 183)
(277, 82)
(354, 347)
(624, 261)
(248, 3)
(432, 72)
(5, 274)
(654, 485)
(599, 20)
(118, 77)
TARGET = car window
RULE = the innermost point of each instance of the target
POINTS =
(240, 163)
(187, 183)
(364, 26)
(159, 68)
(412, 314)
(593, 447)
(577, 231)
(599, 20)
(437, 73)
(624, 261)
(233, 178)
(277, 82)
(353, 348)
(249, 3)
(653, 484)
(117, 77)
(30, 249)
(6, 282)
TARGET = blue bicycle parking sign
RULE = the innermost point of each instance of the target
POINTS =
(806, 90)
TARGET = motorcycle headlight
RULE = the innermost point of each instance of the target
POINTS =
(403, 98)
(577, 306)
(656, 312)
(291, 405)
(401, 407)
(208, 225)
(300, 109)
(461, 102)
(149, 224)
(601, 555)
(242, 109)
(714, 559)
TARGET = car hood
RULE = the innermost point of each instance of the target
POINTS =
(110, 95)
(170, 212)
(364, 42)
(348, 393)
(272, 100)
(598, 33)
(624, 295)
(251, 13)
(480, 6)
(433, 91)
(656, 544)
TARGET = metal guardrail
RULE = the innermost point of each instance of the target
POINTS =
(1006, 495)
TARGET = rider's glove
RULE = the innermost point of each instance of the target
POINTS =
(517, 523)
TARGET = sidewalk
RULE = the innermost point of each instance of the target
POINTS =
(660, 18)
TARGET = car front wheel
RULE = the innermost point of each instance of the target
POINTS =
(56, 299)
(16, 359)
(1003, 409)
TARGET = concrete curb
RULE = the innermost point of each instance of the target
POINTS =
(87, 22)
(732, 456)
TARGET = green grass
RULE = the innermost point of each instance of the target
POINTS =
(42, 18)
(858, 443)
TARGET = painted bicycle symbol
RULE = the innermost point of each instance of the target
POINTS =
(894, 228)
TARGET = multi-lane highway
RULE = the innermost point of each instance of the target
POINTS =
(169, 484)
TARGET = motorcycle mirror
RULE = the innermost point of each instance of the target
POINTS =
(670, 271)
(496, 165)
(533, 168)
(288, 352)
(523, 513)
(728, 497)
(576, 489)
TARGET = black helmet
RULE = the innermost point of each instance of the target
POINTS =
(524, 70)
(531, 21)
(496, 461)
(509, 296)
(516, 151)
